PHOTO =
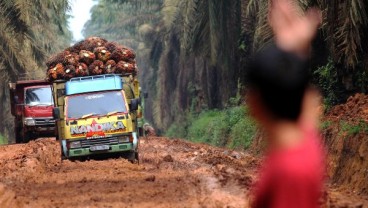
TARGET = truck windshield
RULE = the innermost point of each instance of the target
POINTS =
(39, 96)
(98, 104)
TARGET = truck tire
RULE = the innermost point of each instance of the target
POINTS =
(63, 157)
(18, 136)
(141, 131)
(136, 155)
(27, 137)
(131, 156)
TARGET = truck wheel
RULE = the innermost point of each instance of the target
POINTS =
(18, 137)
(136, 156)
(130, 156)
(26, 137)
(63, 156)
(141, 131)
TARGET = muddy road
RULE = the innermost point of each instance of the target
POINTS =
(172, 173)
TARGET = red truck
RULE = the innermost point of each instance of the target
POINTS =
(31, 105)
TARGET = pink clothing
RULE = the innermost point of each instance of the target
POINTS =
(292, 177)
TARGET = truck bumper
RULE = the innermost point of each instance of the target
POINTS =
(41, 129)
(45, 129)
(113, 149)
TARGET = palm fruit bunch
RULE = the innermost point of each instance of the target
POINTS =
(92, 56)
(102, 54)
(110, 67)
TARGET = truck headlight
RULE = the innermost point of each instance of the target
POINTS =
(29, 121)
(75, 144)
(123, 139)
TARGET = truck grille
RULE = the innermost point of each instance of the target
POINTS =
(45, 122)
(99, 141)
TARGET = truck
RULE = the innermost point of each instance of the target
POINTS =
(31, 105)
(98, 114)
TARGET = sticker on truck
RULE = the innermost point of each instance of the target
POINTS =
(108, 127)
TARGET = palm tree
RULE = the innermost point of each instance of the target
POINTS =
(195, 50)
(344, 32)
(29, 31)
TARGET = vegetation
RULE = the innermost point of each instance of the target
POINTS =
(353, 129)
(231, 127)
(30, 31)
(327, 79)
(192, 54)
(3, 140)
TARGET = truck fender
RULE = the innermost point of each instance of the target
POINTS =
(135, 140)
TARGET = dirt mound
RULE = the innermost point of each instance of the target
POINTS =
(345, 132)
(8, 198)
(354, 110)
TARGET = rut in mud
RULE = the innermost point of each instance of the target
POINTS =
(172, 173)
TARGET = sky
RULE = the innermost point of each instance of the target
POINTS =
(80, 15)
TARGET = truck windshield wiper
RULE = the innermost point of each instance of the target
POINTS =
(89, 115)
(113, 112)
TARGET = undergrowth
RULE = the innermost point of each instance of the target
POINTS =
(231, 127)
(353, 129)
(3, 140)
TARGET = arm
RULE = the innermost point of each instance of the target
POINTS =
(293, 31)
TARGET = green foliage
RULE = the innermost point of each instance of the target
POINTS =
(231, 127)
(328, 81)
(353, 129)
(176, 131)
(242, 133)
(325, 125)
(362, 79)
(3, 140)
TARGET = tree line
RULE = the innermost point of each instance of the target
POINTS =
(192, 53)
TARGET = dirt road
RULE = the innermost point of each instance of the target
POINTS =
(172, 173)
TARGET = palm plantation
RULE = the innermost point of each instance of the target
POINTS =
(196, 50)
(191, 53)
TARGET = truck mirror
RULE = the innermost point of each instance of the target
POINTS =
(134, 104)
(56, 113)
(145, 94)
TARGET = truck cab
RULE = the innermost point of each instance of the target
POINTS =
(31, 106)
(94, 116)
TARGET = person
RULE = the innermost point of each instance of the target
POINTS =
(282, 101)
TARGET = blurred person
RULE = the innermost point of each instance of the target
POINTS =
(282, 101)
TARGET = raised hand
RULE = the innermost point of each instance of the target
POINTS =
(293, 29)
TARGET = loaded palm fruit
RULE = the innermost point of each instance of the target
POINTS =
(79, 60)
(124, 67)
(109, 67)
(96, 67)
(57, 58)
(111, 46)
(51, 74)
(56, 72)
(93, 42)
(86, 56)
(102, 54)
(81, 70)
(69, 72)
(122, 54)
(76, 47)
(71, 59)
